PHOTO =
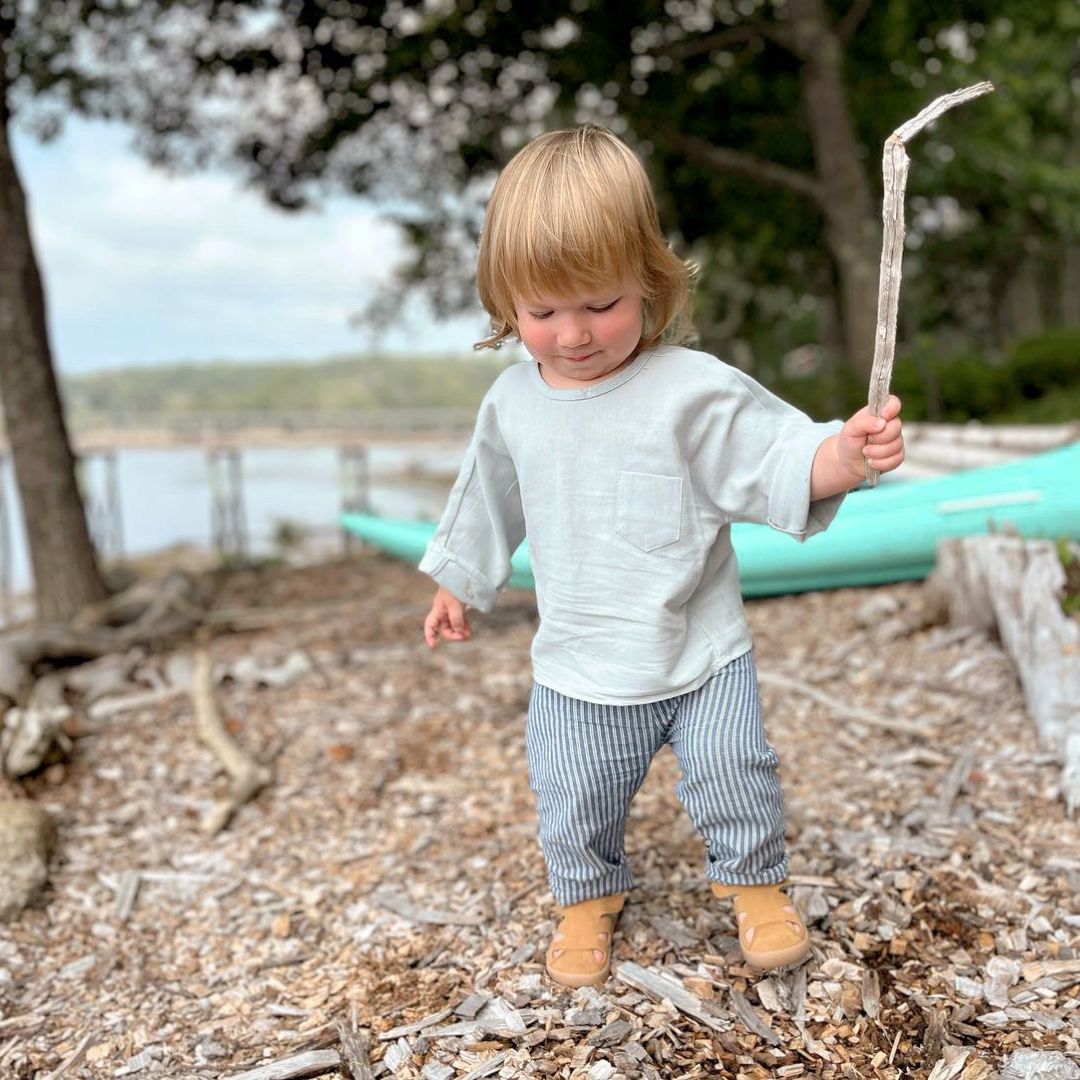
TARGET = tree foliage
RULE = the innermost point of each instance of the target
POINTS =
(417, 104)
(1001, 200)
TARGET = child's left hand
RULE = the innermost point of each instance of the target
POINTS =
(878, 440)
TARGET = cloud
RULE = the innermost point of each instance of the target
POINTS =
(142, 266)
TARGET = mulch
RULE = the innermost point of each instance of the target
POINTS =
(388, 883)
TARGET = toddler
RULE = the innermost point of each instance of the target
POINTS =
(625, 457)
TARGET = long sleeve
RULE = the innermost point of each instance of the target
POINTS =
(483, 523)
(756, 456)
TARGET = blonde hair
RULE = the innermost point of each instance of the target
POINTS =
(574, 210)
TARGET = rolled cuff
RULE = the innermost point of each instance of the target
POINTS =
(790, 508)
(466, 582)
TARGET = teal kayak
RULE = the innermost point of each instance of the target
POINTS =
(883, 534)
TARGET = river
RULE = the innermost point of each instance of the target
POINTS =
(165, 499)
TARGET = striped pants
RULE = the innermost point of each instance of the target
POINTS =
(587, 761)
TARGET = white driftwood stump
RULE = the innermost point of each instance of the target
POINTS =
(894, 167)
(1014, 587)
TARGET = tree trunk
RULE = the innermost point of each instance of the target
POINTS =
(1021, 314)
(838, 187)
(1069, 294)
(65, 568)
(1070, 284)
(852, 227)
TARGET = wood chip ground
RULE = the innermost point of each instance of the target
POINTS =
(380, 908)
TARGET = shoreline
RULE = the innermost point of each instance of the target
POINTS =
(318, 545)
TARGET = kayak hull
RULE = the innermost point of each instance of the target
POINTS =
(879, 535)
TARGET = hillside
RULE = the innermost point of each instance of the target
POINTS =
(1035, 391)
(337, 383)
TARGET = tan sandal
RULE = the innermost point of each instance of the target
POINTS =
(771, 931)
(580, 952)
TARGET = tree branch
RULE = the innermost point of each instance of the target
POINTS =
(249, 777)
(736, 161)
(846, 27)
(735, 35)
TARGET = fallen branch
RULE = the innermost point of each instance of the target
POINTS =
(73, 1058)
(894, 167)
(851, 712)
(248, 776)
(148, 601)
(158, 613)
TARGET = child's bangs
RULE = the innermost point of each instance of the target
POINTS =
(571, 242)
(562, 273)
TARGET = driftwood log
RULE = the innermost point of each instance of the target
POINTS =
(32, 696)
(894, 168)
(1014, 587)
(41, 664)
(142, 615)
(27, 837)
(55, 680)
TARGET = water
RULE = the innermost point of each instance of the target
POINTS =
(165, 494)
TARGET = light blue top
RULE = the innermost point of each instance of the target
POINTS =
(627, 489)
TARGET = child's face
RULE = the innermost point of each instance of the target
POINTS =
(584, 336)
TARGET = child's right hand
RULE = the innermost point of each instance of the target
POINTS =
(446, 619)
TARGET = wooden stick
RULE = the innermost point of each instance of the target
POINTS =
(73, 1058)
(894, 167)
(853, 712)
(392, 900)
(665, 987)
(312, 1063)
(248, 776)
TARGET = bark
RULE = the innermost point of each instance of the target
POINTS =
(852, 232)
(1022, 309)
(1070, 284)
(1069, 288)
(839, 187)
(64, 564)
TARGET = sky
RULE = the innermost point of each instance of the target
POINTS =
(144, 268)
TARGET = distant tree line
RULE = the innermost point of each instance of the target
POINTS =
(232, 387)
(1035, 380)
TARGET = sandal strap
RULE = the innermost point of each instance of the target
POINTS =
(767, 903)
(582, 923)
(758, 906)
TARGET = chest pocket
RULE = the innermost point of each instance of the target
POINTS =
(648, 509)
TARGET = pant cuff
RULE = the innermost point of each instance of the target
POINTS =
(771, 876)
(567, 892)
